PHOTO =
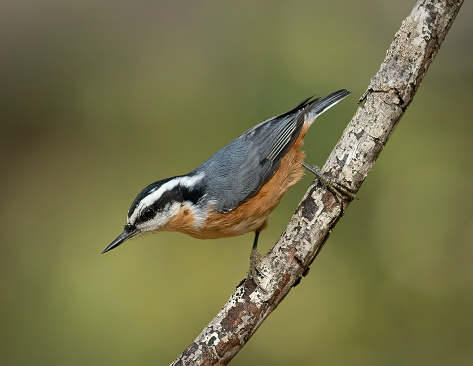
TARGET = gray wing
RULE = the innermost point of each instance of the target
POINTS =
(237, 172)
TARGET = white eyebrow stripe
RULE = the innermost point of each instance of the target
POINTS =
(152, 197)
(189, 181)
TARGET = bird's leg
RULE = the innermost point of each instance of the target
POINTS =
(255, 259)
(331, 184)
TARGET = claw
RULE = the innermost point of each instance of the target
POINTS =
(255, 262)
(331, 184)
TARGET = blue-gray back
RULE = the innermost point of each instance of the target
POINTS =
(236, 172)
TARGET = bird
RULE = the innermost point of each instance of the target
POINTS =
(234, 191)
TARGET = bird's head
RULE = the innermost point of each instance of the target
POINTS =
(160, 203)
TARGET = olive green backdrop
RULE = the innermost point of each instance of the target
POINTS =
(100, 98)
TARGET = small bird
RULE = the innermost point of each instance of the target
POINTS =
(235, 190)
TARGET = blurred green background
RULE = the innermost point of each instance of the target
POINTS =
(100, 98)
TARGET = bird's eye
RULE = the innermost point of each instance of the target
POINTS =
(148, 213)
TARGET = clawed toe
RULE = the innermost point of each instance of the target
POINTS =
(331, 184)
(255, 262)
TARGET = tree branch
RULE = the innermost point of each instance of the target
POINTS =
(390, 92)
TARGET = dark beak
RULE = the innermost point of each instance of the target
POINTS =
(128, 233)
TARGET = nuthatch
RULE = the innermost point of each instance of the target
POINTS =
(235, 190)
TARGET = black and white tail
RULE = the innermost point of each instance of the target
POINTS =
(320, 105)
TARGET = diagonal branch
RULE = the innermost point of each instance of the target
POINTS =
(390, 92)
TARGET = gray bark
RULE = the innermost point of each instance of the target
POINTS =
(390, 92)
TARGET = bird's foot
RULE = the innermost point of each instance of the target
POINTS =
(331, 184)
(255, 262)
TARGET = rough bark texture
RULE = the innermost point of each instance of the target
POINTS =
(390, 92)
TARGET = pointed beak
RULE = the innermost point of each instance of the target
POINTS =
(128, 233)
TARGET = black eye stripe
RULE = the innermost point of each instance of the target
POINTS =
(176, 194)
(145, 192)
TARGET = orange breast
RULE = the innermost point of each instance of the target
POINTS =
(253, 214)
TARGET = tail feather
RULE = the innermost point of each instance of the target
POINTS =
(320, 105)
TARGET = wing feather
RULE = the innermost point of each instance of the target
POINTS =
(237, 172)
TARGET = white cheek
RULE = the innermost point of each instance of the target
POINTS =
(200, 215)
(155, 194)
(161, 219)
